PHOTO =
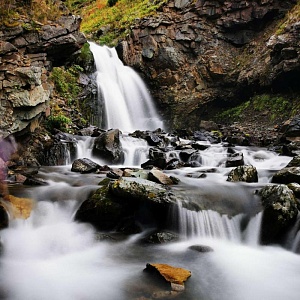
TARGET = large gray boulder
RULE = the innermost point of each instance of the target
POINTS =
(108, 146)
(280, 212)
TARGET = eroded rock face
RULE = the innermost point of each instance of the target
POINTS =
(198, 55)
(26, 57)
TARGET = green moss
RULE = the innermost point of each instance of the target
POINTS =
(66, 82)
(59, 122)
(233, 114)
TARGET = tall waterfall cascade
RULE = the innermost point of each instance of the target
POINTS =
(127, 103)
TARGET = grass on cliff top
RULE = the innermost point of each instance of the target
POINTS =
(15, 12)
(114, 20)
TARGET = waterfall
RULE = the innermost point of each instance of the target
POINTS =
(128, 105)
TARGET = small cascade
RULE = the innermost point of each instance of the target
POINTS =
(211, 224)
(135, 150)
(128, 105)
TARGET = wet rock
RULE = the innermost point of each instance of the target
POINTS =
(155, 153)
(291, 129)
(142, 190)
(201, 248)
(100, 210)
(84, 165)
(186, 154)
(246, 173)
(161, 238)
(203, 135)
(18, 207)
(235, 160)
(175, 276)
(295, 162)
(159, 162)
(108, 146)
(153, 139)
(287, 175)
(33, 181)
(295, 187)
(159, 177)
(115, 174)
(280, 212)
(4, 219)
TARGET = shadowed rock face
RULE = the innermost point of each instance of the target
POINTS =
(26, 57)
(200, 55)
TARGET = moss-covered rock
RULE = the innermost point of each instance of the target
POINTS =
(245, 173)
(280, 212)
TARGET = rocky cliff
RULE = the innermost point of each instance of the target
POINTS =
(200, 56)
(27, 54)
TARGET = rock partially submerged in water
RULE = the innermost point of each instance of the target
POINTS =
(3, 217)
(287, 175)
(280, 212)
(108, 146)
(84, 165)
(175, 276)
(246, 173)
(128, 205)
(201, 248)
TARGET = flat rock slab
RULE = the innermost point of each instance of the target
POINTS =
(176, 276)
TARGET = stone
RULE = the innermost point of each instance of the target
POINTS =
(235, 160)
(287, 175)
(108, 146)
(84, 165)
(159, 177)
(246, 173)
(4, 219)
(280, 212)
(201, 248)
(18, 207)
(171, 274)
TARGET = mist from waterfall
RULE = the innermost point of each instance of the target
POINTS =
(127, 103)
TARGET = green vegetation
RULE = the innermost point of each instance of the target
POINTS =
(59, 122)
(274, 107)
(292, 16)
(66, 82)
(113, 20)
(18, 12)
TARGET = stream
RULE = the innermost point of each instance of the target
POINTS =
(49, 256)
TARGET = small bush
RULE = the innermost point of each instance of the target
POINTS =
(59, 122)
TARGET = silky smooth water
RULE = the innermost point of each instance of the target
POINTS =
(127, 103)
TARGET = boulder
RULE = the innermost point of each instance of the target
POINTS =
(158, 176)
(142, 190)
(246, 173)
(235, 160)
(161, 237)
(201, 248)
(18, 207)
(175, 276)
(108, 146)
(287, 175)
(84, 165)
(280, 212)
(100, 210)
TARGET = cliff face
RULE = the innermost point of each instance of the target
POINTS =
(26, 56)
(198, 56)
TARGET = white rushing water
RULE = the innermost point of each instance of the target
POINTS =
(127, 102)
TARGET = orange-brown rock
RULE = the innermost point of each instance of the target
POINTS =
(174, 275)
(18, 207)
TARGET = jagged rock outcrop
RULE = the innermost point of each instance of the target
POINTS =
(198, 56)
(26, 56)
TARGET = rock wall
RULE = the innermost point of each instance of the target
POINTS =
(198, 56)
(26, 57)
